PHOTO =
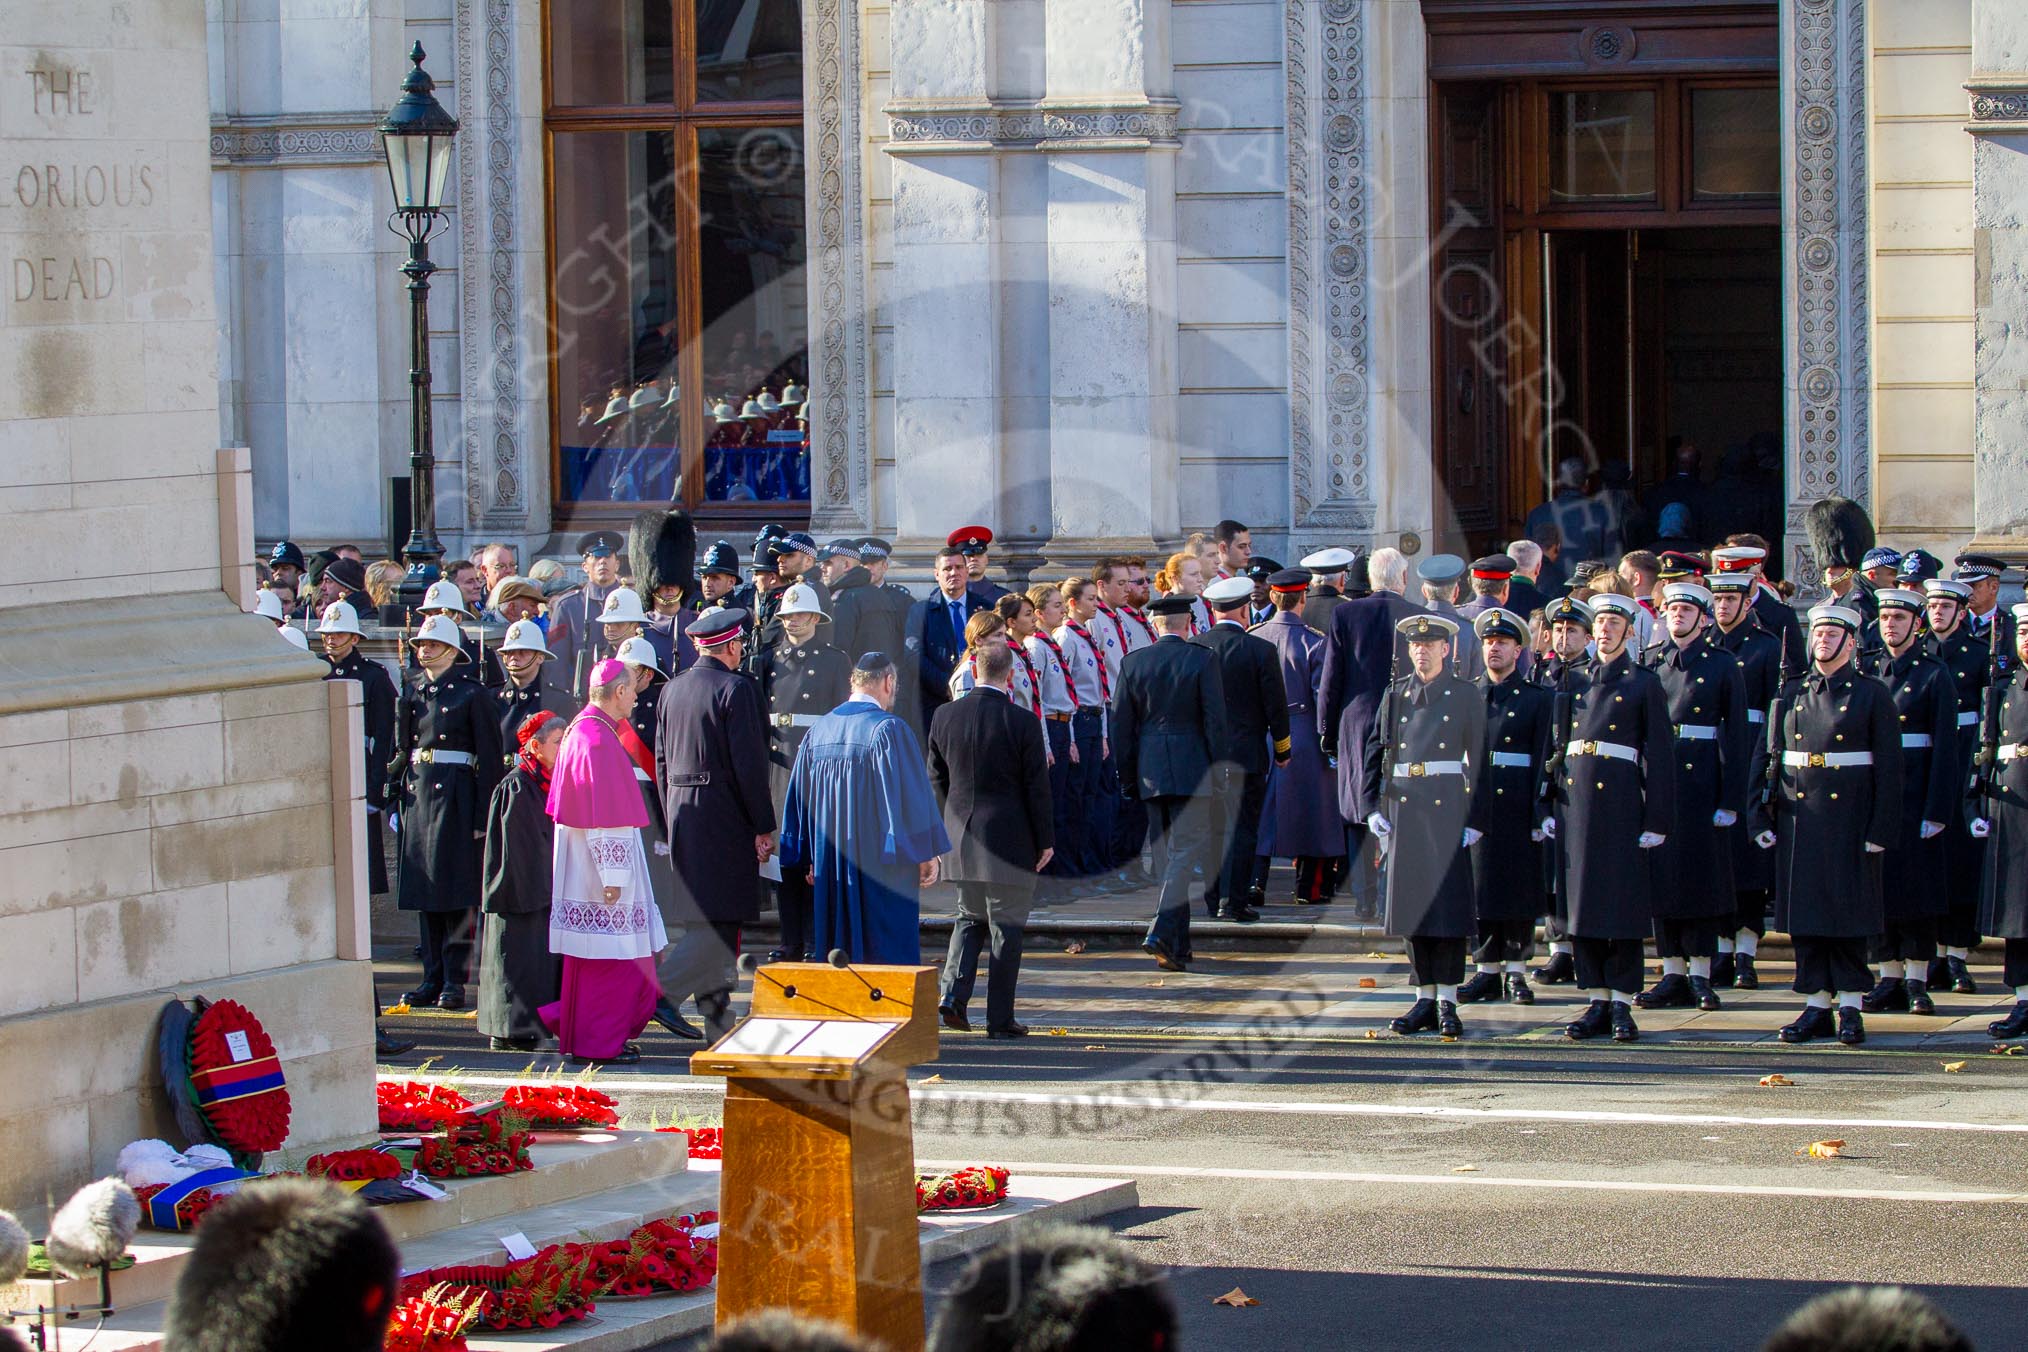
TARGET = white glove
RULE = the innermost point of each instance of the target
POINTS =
(1981, 828)
(1472, 837)
(1871, 848)
(1379, 825)
(1650, 839)
(661, 849)
(394, 822)
(1765, 840)
(1725, 816)
(1549, 828)
(1929, 829)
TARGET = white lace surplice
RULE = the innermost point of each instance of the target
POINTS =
(582, 924)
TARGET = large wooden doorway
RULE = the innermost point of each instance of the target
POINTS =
(1606, 261)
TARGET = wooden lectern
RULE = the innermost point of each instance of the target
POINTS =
(817, 1199)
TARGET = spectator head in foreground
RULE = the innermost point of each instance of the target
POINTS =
(1868, 1319)
(1058, 1289)
(782, 1331)
(287, 1266)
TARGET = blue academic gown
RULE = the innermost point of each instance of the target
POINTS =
(860, 808)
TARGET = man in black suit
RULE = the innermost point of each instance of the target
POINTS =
(1256, 718)
(936, 637)
(1168, 732)
(990, 767)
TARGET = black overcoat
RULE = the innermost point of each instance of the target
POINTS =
(518, 973)
(519, 703)
(1706, 691)
(1363, 653)
(989, 766)
(798, 687)
(1759, 654)
(378, 700)
(1826, 884)
(1966, 657)
(1915, 873)
(1508, 877)
(1168, 720)
(711, 754)
(1606, 802)
(443, 805)
(1256, 705)
(1429, 873)
(2003, 890)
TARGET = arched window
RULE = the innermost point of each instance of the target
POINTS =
(678, 322)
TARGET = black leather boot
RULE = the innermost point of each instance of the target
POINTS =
(1518, 992)
(2013, 1026)
(1596, 1021)
(1448, 1022)
(1560, 970)
(1671, 992)
(1721, 970)
(1482, 986)
(1961, 977)
(1918, 998)
(1701, 991)
(1744, 978)
(1624, 1027)
(1811, 1023)
(1421, 1018)
(1851, 1026)
(1889, 996)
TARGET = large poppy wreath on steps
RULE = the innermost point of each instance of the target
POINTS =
(224, 1078)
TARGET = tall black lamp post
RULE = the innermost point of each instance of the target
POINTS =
(417, 140)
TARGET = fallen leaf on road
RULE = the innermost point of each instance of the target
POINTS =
(1466, 1169)
(1953, 1067)
(1447, 1039)
(1074, 946)
(1824, 1150)
(1376, 955)
(1776, 1082)
(934, 1079)
(1094, 1046)
(1373, 1032)
(1159, 982)
(1236, 1298)
(1367, 983)
(1059, 1032)
(2007, 1049)
(398, 1007)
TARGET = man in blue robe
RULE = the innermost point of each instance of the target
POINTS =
(861, 816)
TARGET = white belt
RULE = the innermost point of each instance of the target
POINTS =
(1821, 760)
(2014, 751)
(1697, 732)
(429, 756)
(795, 720)
(1420, 769)
(643, 775)
(1915, 739)
(1756, 715)
(1970, 720)
(1512, 760)
(1610, 750)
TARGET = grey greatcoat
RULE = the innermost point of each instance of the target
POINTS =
(1826, 885)
(1420, 727)
(1713, 755)
(1607, 801)
(711, 756)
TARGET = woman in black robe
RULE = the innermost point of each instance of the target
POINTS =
(518, 973)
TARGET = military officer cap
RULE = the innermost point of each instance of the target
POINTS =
(525, 636)
(1917, 567)
(597, 544)
(286, 552)
(1740, 583)
(721, 559)
(1880, 556)
(1687, 591)
(714, 627)
(1178, 604)
(1441, 570)
(1738, 558)
(1493, 568)
(638, 652)
(623, 607)
(1228, 592)
(1289, 579)
(443, 629)
(268, 605)
(1677, 564)
(339, 618)
(1899, 598)
(2020, 613)
(872, 549)
(1333, 560)
(1976, 567)
(1946, 586)
(1844, 617)
(1612, 603)
(1428, 627)
(1261, 569)
(1567, 610)
(801, 599)
(969, 540)
(1499, 622)
(444, 595)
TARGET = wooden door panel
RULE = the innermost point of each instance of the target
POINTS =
(1468, 351)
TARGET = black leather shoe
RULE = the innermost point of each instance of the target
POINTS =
(1011, 1030)
(1482, 986)
(1624, 1027)
(1702, 992)
(1888, 997)
(673, 1021)
(1596, 1021)
(954, 1018)
(1918, 998)
(1518, 992)
(1961, 977)
(1211, 907)
(385, 1044)
(630, 1055)
(1448, 1022)
(1421, 1018)
(2013, 1026)
(776, 955)
(1744, 978)
(1939, 972)
(1671, 992)
(453, 998)
(1240, 914)
(422, 995)
(1851, 1026)
(512, 1044)
(1811, 1023)
(1721, 970)
(1560, 970)
(1164, 959)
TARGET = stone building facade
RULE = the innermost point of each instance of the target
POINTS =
(1100, 272)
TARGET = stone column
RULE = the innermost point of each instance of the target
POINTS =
(1999, 124)
(1107, 128)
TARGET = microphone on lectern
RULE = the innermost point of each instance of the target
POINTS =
(749, 965)
(836, 957)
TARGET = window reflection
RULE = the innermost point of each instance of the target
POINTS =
(749, 50)
(1602, 145)
(610, 52)
(1735, 143)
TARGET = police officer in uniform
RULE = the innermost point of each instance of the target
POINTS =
(1967, 658)
(1564, 673)
(802, 678)
(973, 542)
(867, 617)
(718, 577)
(1424, 781)
(2001, 808)
(1617, 802)
(1693, 867)
(1735, 630)
(527, 689)
(1509, 882)
(1836, 803)
(445, 765)
(340, 631)
(1915, 873)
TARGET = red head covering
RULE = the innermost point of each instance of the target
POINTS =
(524, 737)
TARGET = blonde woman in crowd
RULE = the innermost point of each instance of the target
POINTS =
(1184, 574)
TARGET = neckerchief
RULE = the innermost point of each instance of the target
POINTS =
(1062, 665)
(1099, 658)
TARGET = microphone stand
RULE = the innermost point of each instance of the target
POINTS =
(45, 1336)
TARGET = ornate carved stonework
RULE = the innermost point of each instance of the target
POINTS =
(330, 138)
(914, 129)
(1329, 321)
(841, 446)
(1997, 107)
(1824, 70)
